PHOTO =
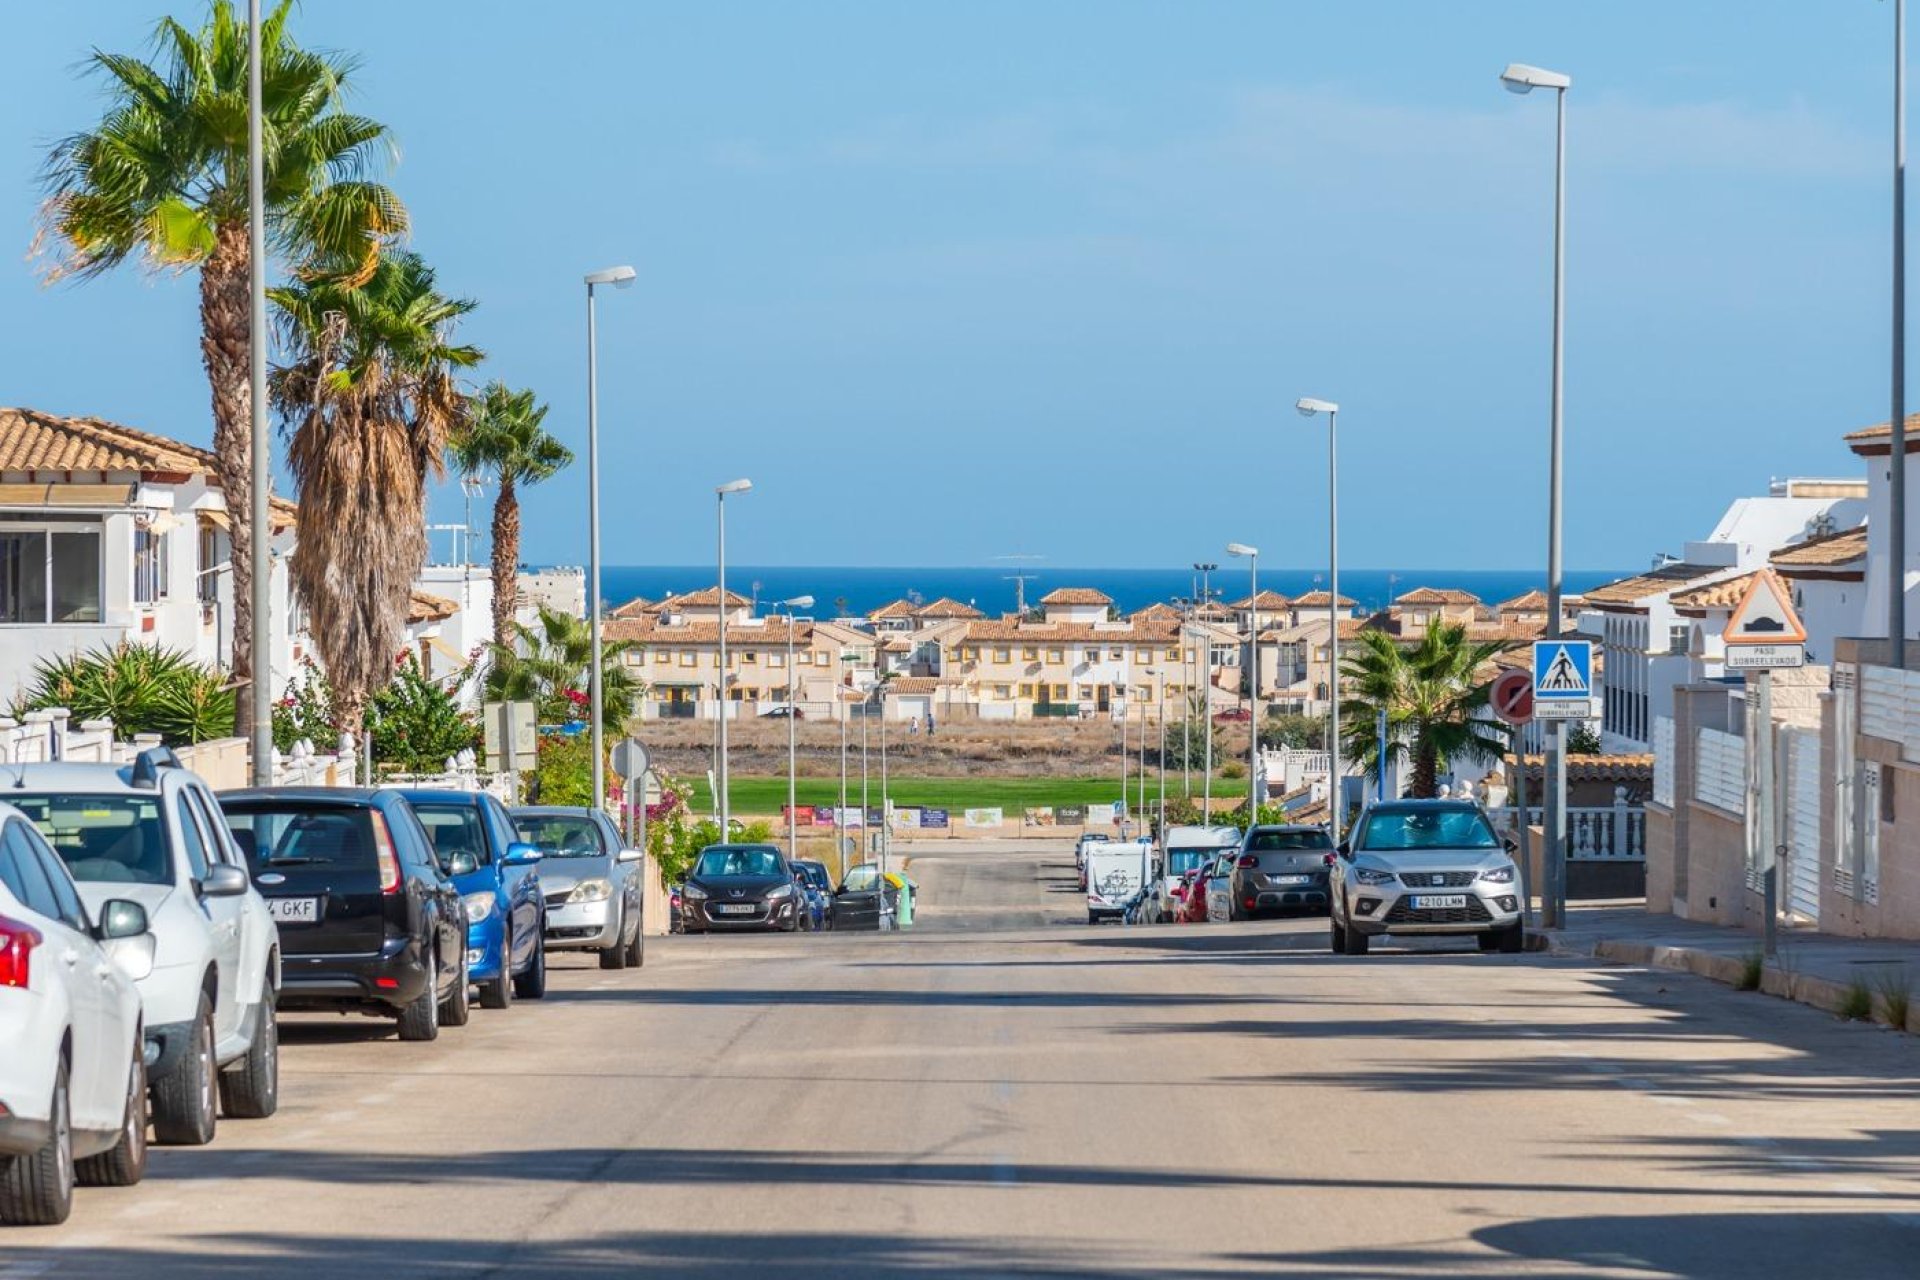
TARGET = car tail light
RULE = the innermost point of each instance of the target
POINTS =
(17, 941)
(1328, 859)
(389, 859)
(1248, 902)
(1247, 862)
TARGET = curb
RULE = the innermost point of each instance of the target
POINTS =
(1775, 979)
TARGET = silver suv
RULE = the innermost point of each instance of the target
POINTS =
(1425, 867)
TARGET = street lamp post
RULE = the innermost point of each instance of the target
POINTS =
(259, 694)
(1205, 570)
(1897, 491)
(1253, 677)
(1520, 78)
(720, 493)
(1309, 407)
(619, 278)
(793, 713)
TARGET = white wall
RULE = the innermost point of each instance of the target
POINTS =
(1879, 543)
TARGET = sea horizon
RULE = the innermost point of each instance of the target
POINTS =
(860, 589)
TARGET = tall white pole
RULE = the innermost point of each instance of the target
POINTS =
(840, 813)
(1897, 494)
(260, 693)
(720, 764)
(1555, 801)
(1253, 725)
(594, 690)
(1333, 625)
(793, 848)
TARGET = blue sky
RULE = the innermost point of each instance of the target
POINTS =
(951, 281)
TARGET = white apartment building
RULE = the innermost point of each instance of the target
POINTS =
(561, 590)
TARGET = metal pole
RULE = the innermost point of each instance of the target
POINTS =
(1163, 757)
(1526, 827)
(793, 850)
(866, 810)
(1123, 768)
(1555, 801)
(1253, 685)
(593, 556)
(1140, 785)
(1897, 494)
(886, 810)
(840, 813)
(1206, 700)
(260, 692)
(720, 764)
(1760, 709)
(1333, 620)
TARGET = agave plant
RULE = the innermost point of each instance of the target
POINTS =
(141, 688)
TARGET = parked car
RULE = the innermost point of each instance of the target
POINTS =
(817, 887)
(594, 883)
(740, 886)
(1185, 849)
(150, 832)
(506, 919)
(676, 919)
(864, 900)
(1280, 868)
(1087, 839)
(73, 1078)
(781, 710)
(1218, 888)
(370, 921)
(1425, 867)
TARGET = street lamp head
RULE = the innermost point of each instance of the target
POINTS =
(1308, 406)
(618, 277)
(1521, 78)
(798, 602)
(733, 486)
(1241, 549)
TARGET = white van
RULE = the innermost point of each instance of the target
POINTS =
(1116, 871)
(1182, 850)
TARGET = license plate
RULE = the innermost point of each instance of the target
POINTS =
(1289, 879)
(1440, 902)
(294, 910)
(735, 908)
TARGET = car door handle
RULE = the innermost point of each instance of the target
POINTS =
(103, 971)
(71, 958)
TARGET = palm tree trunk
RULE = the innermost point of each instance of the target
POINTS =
(225, 348)
(506, 561)
(1426, 771)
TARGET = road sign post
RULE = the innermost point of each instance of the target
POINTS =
(1764, 634)
(1512, 700)
(1562, 691)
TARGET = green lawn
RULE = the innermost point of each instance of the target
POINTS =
(763, 795)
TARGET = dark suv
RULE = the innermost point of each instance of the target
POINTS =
(1280, 869)
(369, 920)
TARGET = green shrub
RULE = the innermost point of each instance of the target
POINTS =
(1233, 769)
(1753, 965)
(1896, 997)
(141, 688)
(1857, 1004)
(415, 725)
(306, 710)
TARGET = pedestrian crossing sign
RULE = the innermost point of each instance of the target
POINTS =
(1562, 670)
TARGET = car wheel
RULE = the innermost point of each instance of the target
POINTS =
(1337, 940)
(1356, 942)
(37, 1190)
(126, 1164)
(250, 1088)
(420, 1019)
(1513, 939)
(637, 949)
(615, 956)
(457, 1009)
(532, 984)
(184, 1114)
(1489, 939)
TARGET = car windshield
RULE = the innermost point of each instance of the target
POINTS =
(560, 835)
(1181, 861)
(1427, 829)
(737, 862)
(862, 879)
(455, 828)
(304, 836)
(1269, 841)
(107, 839)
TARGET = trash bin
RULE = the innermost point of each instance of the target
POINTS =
(903, 908)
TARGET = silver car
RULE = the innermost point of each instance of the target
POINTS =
(593, 883)
(1425, 867)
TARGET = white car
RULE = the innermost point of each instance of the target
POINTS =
(151, 832)
(73, 1080)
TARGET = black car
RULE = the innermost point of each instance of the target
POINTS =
(369, 920)
(865, 900)
(1280, 869)
(820, 885)
(740, 886)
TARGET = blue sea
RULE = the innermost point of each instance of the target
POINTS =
(858, 590)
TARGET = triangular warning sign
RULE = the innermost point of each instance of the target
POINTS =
(1563, 675)
(1766, 614)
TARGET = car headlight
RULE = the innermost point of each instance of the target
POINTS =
(591, 891)
(1499, 875)
(479, 906)
(1367, 875)
(693, 893)
(780, 891)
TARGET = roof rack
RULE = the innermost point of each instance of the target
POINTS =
(147, 766)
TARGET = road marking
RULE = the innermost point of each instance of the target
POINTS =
(1854, 1189)
(1004, 1173)
(21, 1270)
(1708, 1117)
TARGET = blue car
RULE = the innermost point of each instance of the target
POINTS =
(506, 917)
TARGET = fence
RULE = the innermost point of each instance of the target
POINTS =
(1603, 833)
(1890, 704)
(1663, 760)
(1720, 770)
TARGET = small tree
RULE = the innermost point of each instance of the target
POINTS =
(415, 725)
(1582, 740)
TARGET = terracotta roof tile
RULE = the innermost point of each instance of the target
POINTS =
(947, 607)
(424, 606)
(914, 684)
(633, 608)
(35, 441)
(894, 609)
(1436, 595)
(1268, 600)
(705, 598)
(1832, 550)
(1725, 594)
(1075, 596)
(1321, 600)
(1881, 435)
(648, 629)
(1653, 582)
(1154, 612)
(1040, 633)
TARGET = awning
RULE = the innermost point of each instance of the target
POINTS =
(218, 519)
(97, 496)
(447, 651)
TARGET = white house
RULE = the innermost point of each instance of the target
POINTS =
(1875, 444)
(108, 533)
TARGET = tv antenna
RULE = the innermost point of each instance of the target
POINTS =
(1020, 580)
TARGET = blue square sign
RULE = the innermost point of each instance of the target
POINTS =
(1562, 670)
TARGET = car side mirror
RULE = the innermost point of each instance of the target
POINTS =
(224, 881)
(120, 918)
(628, 855)
(521, 854)
(1345, 851)
(462, 864)
(1508, 843)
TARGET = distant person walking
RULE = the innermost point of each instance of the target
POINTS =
(929, 724)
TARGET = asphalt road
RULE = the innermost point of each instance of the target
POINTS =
(1054, 1100)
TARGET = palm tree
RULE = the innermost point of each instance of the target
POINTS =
(371, 401)
(163, 175)
(1434, 697)
(504, 439)
(548, 664)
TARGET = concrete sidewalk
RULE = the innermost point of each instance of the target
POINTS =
(1812, 968)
